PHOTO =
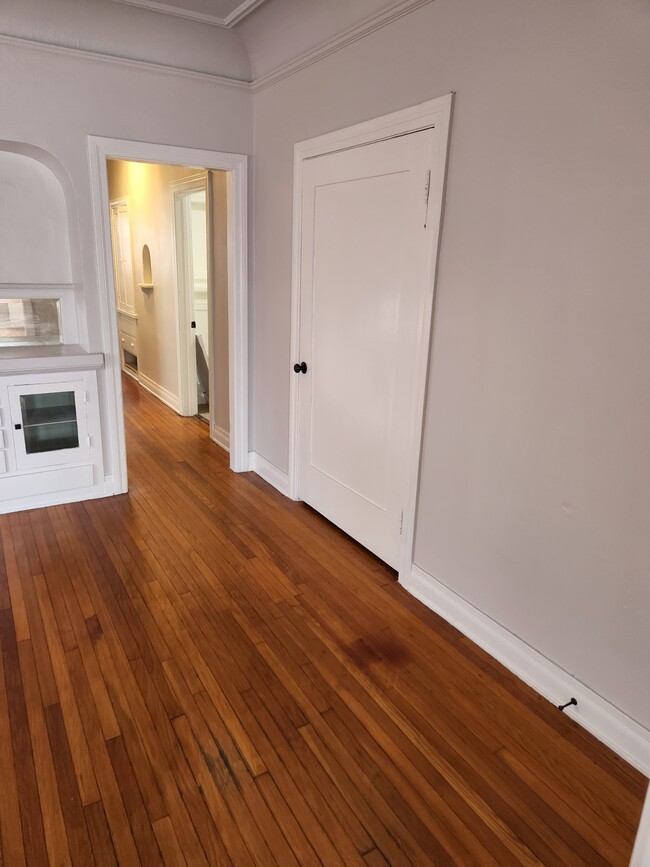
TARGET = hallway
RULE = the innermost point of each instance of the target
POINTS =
(203, 672)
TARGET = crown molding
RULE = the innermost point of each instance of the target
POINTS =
(144, 65)
(347, 37)
(244, 9)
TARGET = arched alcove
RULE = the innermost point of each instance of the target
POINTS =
(147, 278)
(34, 222)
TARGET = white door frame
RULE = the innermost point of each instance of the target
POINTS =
(186, 367)
(434, 113)
(100, 149)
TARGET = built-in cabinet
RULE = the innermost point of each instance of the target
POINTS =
(50, 434)
(49, 424)
(128, 328)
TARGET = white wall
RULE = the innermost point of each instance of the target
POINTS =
(34, 236)
(54, 101)
(535, 486)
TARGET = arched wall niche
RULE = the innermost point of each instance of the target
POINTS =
(38, 218)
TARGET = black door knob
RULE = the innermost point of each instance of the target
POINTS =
(300, 368)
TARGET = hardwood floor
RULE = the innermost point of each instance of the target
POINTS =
(202, 672)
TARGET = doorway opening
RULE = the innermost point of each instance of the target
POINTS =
(170, 259)
(172, 252)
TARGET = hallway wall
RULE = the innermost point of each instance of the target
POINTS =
(534, 500)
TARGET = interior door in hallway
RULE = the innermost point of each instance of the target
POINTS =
(366, 254)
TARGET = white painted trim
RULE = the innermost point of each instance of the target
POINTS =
(609, 724)
(229, 21)
(641, 852)
(434, 113)
(128, 314)
(245, 8)
(347, 37)
(99, 150)
(269, 472)
(59, 498)
(186, 365)
(167, 397)
(114, 60)
(222, 438)
(48, 359)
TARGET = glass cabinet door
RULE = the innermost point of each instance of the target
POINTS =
(49, 421)
(49, 424)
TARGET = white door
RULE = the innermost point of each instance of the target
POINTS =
(122, 258)
(192, 257)
(366, 254)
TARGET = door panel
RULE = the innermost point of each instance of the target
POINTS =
(365, 260)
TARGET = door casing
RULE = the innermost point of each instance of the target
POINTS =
(236, 165)
(436, 113)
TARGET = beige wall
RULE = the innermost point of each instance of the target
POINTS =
(535, 487)
(147, 188)
(149, 191)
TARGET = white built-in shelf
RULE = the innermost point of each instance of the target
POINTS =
(48, 359)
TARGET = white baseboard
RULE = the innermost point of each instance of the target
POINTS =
(269, 472)
(59, 498)
(221, 437)
(161, 393)
(609, 724)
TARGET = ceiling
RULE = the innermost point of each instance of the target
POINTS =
(223, 13)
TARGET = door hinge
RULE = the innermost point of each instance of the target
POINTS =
(90, 442)
(427, 193)
(401, 522)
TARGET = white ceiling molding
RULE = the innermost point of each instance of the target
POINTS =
(242, 11)
(227, 21)
(147, 65)
(347, 37)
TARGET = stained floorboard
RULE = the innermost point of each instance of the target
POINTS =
(202, 672)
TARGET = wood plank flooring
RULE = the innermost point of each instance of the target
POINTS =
(203, 673)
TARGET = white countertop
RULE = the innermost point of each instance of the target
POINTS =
(46, 359)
